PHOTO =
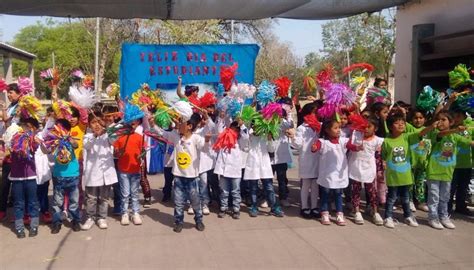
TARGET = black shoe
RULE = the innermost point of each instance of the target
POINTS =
(463, 211)
(56, 228)
(315, 213)
(20, 234)
(200, 226)
(166, 198)
(76, 226)
(221, 214)
(147, 203)
(236, 215)
(305, 213)
(178, 227)
(33, 232)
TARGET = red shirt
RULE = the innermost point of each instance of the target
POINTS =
(128, 149)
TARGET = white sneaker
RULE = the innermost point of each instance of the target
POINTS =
(264, 204)
(388, 223)
(340, 219)
(447, 223)
(190, 210)
(412, 207)
(125, 220)
(205, 210)
(102, 223)
(423, 207)
(377, 219)
(411, 221)
(87, 224)
(285, 203)
(434, 223)
(358, 219)
(137, 219)
(325, 218)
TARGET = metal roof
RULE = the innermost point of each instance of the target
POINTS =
(18, 52)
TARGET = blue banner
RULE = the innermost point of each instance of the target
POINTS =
(160, 65)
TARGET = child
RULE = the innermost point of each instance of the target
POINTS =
(282, 156)
(441, 166)
(396, 153)
(99, 172)
(228, 167)
(380, 111)
(259, 166)
(186, 171)
(207, 161)
(362, 169)
(128, 149)
(419, 152)
(23, 179)
(333, 175)
(308, 161)
(462, 173)
(65, 181)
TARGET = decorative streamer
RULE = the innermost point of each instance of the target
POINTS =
(428, 99)
(226, 140)
(283, 86)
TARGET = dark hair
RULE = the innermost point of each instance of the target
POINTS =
(49, 110)
(446, 113)
(75, 112)
(194, 121)
(109, 109)
(327, 124)
(64, 123)
(378, 81)
(285, 100)
(30, 120)
(413, 112)
(308, 109)
(392, 118)
(235, 126)
(378, 107)
(366, 110)
(189, 89)
(458, 111)
(14, 87)
(94, 115)
(373, 121)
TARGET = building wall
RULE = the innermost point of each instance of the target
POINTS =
(449, 16)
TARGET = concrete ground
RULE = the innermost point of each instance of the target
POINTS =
(265, 242)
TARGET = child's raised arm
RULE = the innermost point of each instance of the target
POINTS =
(178, 89)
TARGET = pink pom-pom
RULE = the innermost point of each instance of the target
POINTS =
(327, 111)
(3, 85)
(272, 109)
(25, 85)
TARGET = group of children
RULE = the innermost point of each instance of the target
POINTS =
(395, 152)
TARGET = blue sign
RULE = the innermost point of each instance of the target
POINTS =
(160, 65)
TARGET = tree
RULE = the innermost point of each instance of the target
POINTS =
(368, 38)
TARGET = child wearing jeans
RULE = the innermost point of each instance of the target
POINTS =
(441, 166)
(65, 180)
(99, 172)
(186, 171)
(129, 148)
(396, 153)
(23, 178)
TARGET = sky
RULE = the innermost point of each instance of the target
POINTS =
(304, 35)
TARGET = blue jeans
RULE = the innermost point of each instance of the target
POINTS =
(268, 189)
(203, 188)
(325, 192)
(232, 186)
(69, 185)
(25, 190)
(392, 195)
(42, 193)
(438, 198)
(129, 184)
(184, 189)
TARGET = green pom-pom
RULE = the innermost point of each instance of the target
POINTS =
(459, 76)
(248, 114)
(163, 118)
(264, 127)
(428, 99)
(463, 103)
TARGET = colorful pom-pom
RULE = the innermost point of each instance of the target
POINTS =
(362, 66)
(325, 76)
(30, 106)
(113, 90)
(24, 144)
(428, 99)
(460, 77)
(3, 85)
(131, 113)
(312, 121)
(83, 97)
(163, 118)
(62, 109)
(265, 93)
(248, 114)
(358, 122)
(226, 141)
(264, 127)
(227, 74)
(207, 100)
(25, 85)
(57, 142)
(233, 108)
(220, 90)
(283, 86)
(77, 75)
(272, 109)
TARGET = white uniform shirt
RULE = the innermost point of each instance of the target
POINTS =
(333, 171)
(99, 168)
(308, 162)
(186, 156)
(171, 136)
(258, 164)
(282, 143)
(207, 157)
(362, 166)
(229, 162)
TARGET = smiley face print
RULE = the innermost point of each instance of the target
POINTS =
(183, 159)
(399, 154)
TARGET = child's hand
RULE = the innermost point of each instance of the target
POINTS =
(461, 128)
(180, 79)
(208, 137)
(290, 133)
(435, 124)
(316, 146)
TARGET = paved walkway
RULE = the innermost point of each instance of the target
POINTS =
(265, 242)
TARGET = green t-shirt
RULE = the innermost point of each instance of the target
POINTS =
(443, 157)
(396, 152)
(464, 156)
(420, 149)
